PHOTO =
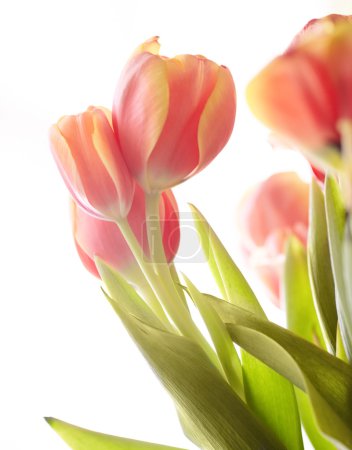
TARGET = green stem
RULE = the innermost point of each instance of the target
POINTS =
(177, 283)
(156, 246)
(167, 295)
(157, 253)
(151, 299)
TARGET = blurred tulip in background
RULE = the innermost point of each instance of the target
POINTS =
(305, 93)
(268, 215)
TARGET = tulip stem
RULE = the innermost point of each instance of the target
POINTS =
(156, 247)
(167, 295)
(152, 299)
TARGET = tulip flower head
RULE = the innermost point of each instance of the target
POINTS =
(96, 237)
(89, 159)
(268, 215)
(172, 115)
(306, 93)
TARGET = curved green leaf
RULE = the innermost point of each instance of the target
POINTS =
(301, 315)
(269, 395)
(310, 424)
(327, 380)
(121, 291)
(217, 416)
(302, 320)
(319, 265)
(224, 347)
(336, 221)
(81, 439)
(346, 306)
(232, 284)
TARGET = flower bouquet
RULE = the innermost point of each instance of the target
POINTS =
(247, 383)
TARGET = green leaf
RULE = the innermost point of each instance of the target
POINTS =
(81, 439)
(336, 220)
(224, 347)
(310, 424)
(327, 380)
(346, 306)
(216, 415)
(122, 292)
(302, 320)
(301, 315)
(269, 395)
(340, 349)
(232, 284)
(265, 390)
(319, 265)
(177, 283)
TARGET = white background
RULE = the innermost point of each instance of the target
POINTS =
(63, 352)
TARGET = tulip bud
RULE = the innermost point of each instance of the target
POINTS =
(268, 215)
(172, 115)
(101, 238)
(306, 92)
(89, 159)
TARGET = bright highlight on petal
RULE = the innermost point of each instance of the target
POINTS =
(150, 46)
(214, 129)
(87, 153)
(158, 110)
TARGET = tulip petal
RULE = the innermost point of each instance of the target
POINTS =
(140, 110)
(100, 238)
(294, 96)
(176, 154)
(150, 46)
(339, 62)
(68, 169)
(88, 263)
(279, 203)
(157, 109)
(171, 225)
(218, 117)
(106, 146)
(98, 187)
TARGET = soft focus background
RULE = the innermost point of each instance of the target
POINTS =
(63, 352)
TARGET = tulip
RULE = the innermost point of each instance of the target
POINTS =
(88, 156)
(95, 237)
(268, 215)
(172, 115)
(306, 93)
(318, 174)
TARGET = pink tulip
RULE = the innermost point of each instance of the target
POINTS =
(304, 93)
(268, 215)
(88, 156)
(96, 237)
(172, 115)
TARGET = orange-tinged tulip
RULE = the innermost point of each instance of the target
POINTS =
(88, 156)
(101, 238)
(306, 92)
(269, 214)
(172, 115)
